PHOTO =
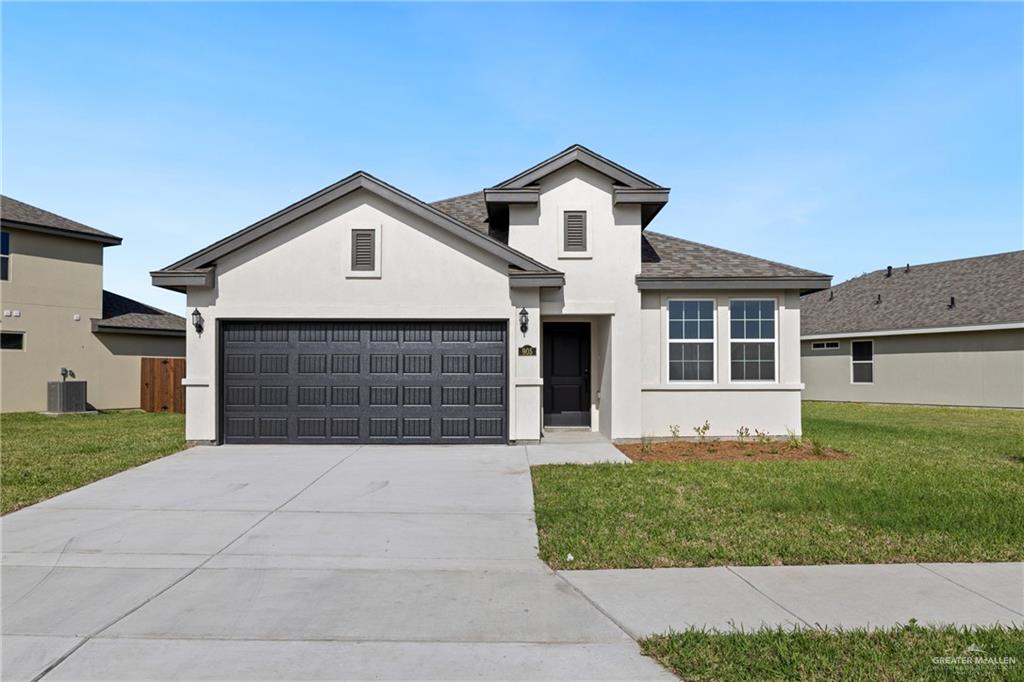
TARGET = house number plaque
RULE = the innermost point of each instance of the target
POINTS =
(527, 351)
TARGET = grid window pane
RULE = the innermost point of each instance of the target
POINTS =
(752, 319)
(753, 361)
(5, 243)
(3, 267)
(691, 361)
(691, 330)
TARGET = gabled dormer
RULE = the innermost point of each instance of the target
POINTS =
(581, 214)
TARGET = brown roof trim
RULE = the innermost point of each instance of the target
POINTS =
(804, 284)
(525, 195)
(525, 280)
(178, 280)
(358, 180)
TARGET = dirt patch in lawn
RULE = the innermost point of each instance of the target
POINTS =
(727, 451)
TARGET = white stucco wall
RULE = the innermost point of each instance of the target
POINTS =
(772, 407)
(599, 287)
(983, 369)
(299, 272)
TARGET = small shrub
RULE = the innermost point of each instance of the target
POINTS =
(646, 445)
(817, 449)
(792, 440)
(674, 430)
(702, 431)
(762, 437)
(742, 435)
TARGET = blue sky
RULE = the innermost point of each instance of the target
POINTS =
(838, 137)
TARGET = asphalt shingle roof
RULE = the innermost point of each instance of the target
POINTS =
(665, 256)
(468, 209)
(985, 290)
(661, 255)
(123, 313)
(20, 212)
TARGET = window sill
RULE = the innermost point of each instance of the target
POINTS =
(362, 275)
(575, 256)
(711, 386)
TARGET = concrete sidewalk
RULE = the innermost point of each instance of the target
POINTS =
(300, 562)
(649, 601)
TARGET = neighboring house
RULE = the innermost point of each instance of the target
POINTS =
(56, 314)
(362, 314)
(949, 333)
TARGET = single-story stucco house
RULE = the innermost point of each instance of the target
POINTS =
(57, 315)
(949, 333)
(362, 314)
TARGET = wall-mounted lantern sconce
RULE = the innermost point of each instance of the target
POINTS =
(524, 320)
(197, 321)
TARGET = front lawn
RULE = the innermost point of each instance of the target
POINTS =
(45, 456)
(921, 484)
(906, 653)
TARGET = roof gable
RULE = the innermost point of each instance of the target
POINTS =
(578, 154)
(965, 292)
(18, 214)
(208, 256)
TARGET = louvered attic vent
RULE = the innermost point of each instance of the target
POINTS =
(575, 230)
(363, 257)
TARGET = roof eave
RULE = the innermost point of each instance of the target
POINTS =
(359, 180)
(104, 239)
(570, 155)
(179, 280)
(868, 333)
(526, 280)
(99, 328)
(804, 284)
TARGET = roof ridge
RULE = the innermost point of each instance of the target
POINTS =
(940, 262)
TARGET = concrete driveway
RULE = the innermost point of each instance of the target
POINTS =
(291, 562)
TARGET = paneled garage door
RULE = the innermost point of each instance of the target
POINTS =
(364, 382)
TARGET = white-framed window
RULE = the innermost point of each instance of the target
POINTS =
(862, 362)
(12, 340)
(825, 345)
(691, 340)
(364, 252)
(752, 339)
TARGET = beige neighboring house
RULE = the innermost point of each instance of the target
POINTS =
(56, 314)
(949, 333)
(361, 314)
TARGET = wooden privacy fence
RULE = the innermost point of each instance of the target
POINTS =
(161, 384)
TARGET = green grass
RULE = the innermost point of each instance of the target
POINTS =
(925, 484)
(44, 456)
(906, 653)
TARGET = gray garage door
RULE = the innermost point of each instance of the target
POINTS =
(364, 382)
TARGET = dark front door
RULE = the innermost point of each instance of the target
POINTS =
(566, 374)
(364, 382)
